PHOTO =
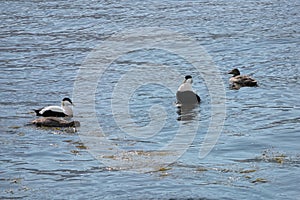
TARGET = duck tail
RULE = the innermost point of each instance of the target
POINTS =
(255, 84)
(37, 112)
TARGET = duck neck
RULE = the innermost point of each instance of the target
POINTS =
(185, 87)
(67, 110)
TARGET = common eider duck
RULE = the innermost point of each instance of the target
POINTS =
(185, 93)
(54, 122)
(57, 111)
(238, 80)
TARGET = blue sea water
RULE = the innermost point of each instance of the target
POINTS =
(45, 46)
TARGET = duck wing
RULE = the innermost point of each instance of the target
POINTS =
(243, 80)
(51, 111)
(248, 81)
(52, 108)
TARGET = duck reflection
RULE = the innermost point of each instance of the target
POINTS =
(235, 86)
(187, 112)
(54, 122)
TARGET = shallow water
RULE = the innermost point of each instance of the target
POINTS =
(44, 44)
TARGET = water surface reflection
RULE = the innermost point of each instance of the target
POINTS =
(188, 112)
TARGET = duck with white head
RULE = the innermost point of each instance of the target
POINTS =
(57, 111)
(185, 94)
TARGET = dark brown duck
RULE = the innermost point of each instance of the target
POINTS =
(241, 80)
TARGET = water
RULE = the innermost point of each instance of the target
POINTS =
(43, 46)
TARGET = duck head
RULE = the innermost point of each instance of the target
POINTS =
(66, 102)
(188, 79)
(235, 72)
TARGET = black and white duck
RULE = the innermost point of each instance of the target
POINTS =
(57, 111)
(185, 93)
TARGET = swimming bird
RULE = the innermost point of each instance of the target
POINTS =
(238, 80)
(57, 111)
(185, 93)
(55, 122)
